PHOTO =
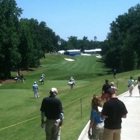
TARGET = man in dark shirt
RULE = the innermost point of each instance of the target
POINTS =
(105, 88)
(114, 73)
(51, 108)
(113, 112)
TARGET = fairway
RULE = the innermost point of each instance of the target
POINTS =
(20, 112)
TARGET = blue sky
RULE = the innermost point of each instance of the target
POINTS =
(76, 17)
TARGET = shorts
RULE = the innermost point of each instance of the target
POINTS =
(105, 96)
(131, 87)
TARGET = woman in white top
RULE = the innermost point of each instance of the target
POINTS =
(138, 84)
(130, 85)
(96, 126)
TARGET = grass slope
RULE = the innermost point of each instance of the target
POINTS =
(19, 111)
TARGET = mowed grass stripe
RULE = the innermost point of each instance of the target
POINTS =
(81, 64)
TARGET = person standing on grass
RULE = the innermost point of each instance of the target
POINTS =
(71, 79)
(113, 111)
(114, 73)
(42, 79)
(71, 82)
(51, 109)
(105, 88)
(96, 126)
(35, 89)
(138, 81)
(113, 87)
(22, 78)
(130, 85)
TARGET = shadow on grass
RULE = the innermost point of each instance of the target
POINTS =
(32, 98)
(100, 60)
(31, 69)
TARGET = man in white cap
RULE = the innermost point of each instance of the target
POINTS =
(35, 89)
(51, 108)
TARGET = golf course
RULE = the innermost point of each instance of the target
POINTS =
(20, 111)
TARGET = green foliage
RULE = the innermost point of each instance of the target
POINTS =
(122, 47)
(82, 44)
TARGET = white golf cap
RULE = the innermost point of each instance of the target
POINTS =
(54, 90)
(35, 82)
(112, 83)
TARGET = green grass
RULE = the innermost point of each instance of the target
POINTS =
(20, 112)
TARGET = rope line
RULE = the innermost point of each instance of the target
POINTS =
(33, 117)
(19, 123)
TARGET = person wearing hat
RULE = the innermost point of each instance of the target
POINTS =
(35, 89)
(130, 85)
(113, 87)
(105, 88)
(113, 111)
(51, 109)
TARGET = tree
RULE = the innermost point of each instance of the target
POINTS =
(9, 38)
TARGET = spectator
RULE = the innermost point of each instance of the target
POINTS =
(71, 82)
(42, 79)
(22, 78)
(113, 112)
(35, 89)
(114, 73)
(138, 81)
(96, 122)
(72, 79)
(113, 87)
(17, 78)
(105, 88)
(130, 85)
(51, 108)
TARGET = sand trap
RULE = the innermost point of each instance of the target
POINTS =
(68, 59)
(99, 56)
(85, 54)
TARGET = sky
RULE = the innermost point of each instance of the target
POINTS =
(77, 18)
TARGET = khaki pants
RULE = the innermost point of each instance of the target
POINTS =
(36, 93)
(51, 130)
(110, 134)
